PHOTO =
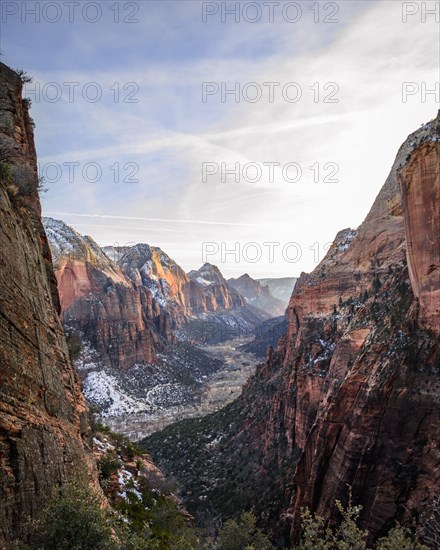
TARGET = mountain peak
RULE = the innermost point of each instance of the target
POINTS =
(65, 242)
(209, 273)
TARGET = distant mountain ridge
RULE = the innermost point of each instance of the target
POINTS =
(280, 288)
(122, 322)
(258, 295)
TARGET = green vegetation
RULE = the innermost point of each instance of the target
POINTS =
(24, 76)
(317, 535)
(108, 465)
(217, 476)
(242, 534)
(6, 172)
(74, 519)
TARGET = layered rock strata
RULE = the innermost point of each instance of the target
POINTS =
(43, 418)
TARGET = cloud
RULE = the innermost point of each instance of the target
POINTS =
(170, 132)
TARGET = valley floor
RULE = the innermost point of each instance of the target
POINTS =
(219, 389)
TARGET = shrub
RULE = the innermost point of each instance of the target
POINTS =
(27, 181)
(6, 173)
(73, 520)
(317, 535)
(398, 538)
(242, 535)
(108, 465)
(25, 77)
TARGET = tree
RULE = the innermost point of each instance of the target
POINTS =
(242, 535)
(376, 284)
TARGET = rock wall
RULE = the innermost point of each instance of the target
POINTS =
(420, 186)
(216, 291)
(43, 421)
(363, 356)
(119, 319)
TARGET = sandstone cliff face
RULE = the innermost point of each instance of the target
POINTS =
(126, 303)
(361, 356)
(183, 295)
(43, 423)
(151, 267)
(420, 186)
(120, 320)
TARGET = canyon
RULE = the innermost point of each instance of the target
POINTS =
(248, 406)
(149, 337)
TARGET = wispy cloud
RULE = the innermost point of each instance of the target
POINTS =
(170, 132)
(158, 220)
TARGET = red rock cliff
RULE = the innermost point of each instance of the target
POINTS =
(43, 423)
(420, 186)
(121, 320)
(362, 354)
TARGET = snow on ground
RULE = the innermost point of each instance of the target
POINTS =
(203, 281)
(345, 244)
(104, 390)
(62, 238)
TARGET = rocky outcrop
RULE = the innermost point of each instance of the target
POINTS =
(350, 397)
(43, 421)
(183, 295)
(78, 260)
(217, 293)
(257, 295)
(119, 319)
(149, 266)
(420, 187)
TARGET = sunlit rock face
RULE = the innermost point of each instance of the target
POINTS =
(362, 354)
(218, 294)
(43, 422)
(127, 302)
(119, 319)
(420, 186)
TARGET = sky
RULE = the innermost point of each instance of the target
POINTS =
(247, 139)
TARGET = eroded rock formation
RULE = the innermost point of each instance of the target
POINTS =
(43, 421)
(257, 295)
(362, 354)
(119, 319)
